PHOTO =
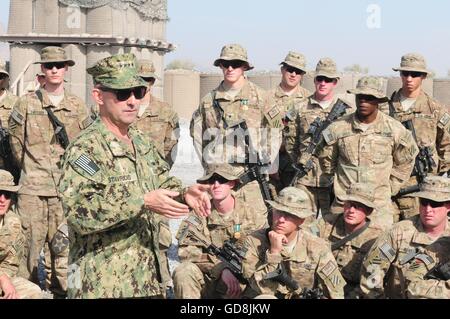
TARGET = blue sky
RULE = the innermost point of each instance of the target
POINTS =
(338, 29)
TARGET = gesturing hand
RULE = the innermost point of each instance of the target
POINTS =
(197, 198)
(161, 202)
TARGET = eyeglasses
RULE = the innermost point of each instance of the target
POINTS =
(7, 194)
(324, 79)
(412, 74)
(124, 94)
(216, 178)
(51, 65)
(291, 69)
(368, 98)
(433, 204)
(233, 63)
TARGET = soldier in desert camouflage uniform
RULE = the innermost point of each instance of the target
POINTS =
(428, 275)
(11, 245)
(201, 274)
(369, 147)
(114, 182)
(305, 257)
(235, 99)
(383, 270)
(317, 183)
(159, 121)
(38, 152)
(280, 98)
(351, 234)
(430, 119)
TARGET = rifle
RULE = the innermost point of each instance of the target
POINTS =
(315, 130)
(439, 272)
(230, 254)
(423, 164)
(60, 130)
(253, 170)
(280, 275)
(6, 154)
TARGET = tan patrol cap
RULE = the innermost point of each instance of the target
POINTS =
(233, 52)
(413, 62)
(293, 201)
(360, 193)
(370, 85)
(296, 60)
(7, 182)
(327, 67)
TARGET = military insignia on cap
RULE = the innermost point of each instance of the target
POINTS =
(387, 251)
(87, 165)
(274, 112)
(328, 269)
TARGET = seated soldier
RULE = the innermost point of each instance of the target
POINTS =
(429, 274)
(305, 258)
(201, 274)
(383, 269)
(11, 245)
(351, 234)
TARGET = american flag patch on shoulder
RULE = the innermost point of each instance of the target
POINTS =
(87, 165)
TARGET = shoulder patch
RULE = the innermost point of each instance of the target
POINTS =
(17, 117)
(87, 121)
(445, 119)
(328, 136)
(387, 251)
(274, 112)
(427, 260)
(328, 269)
(86, 164)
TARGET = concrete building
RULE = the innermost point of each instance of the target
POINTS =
(88, 30)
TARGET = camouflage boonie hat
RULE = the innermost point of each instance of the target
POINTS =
(3, 67)
(117, 72)
(370, 85)
(7, 182)
(227, 171)
(54, 54)
(233, 52)
(327, 67)
(296, 60)
(293, 201)
(435, 188)
(413, 62)
(360, 193)
(146, 69)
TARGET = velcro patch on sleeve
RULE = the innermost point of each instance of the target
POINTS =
(87, 165)
(87, 121)
(387, 251)
(445, 119)
(17, 117)
(328, 269)
(427, 260)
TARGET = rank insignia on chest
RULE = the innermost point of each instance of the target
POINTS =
(237, 231)
(274, 112)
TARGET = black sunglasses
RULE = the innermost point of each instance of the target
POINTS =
(3, 76)
(323, 79)
(291, 69)
(367, 98)
(412, 74)
(233, 63)
(148, 80)
(124, 94)
(51, 65)
(432, 203)
(7, 194)
(218, 178)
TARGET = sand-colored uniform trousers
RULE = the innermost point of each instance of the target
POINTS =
(38, 153)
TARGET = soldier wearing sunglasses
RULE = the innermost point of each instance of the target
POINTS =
(201, 274)
(12, 245)
(234, 100)
(368, 146)
(430, 119)
(280, 98)
(114, 183)
(159, 121)
(298, 133)
(395, 251)
(38, 151)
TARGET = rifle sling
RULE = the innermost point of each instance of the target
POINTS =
(346, 239)
(57, 127)
(219, 112)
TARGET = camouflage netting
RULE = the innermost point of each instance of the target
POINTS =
(149, 9)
